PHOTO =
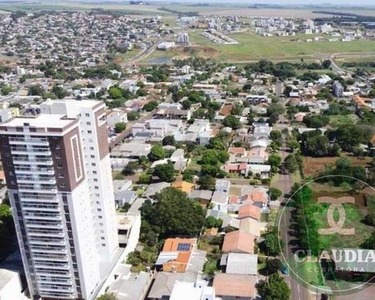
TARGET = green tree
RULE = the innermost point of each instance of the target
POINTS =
(232, 122)
(6, 90)
(236, 110)
(275, 108)
(107, 296)
(165, 172)
(217, 142)
(247, 87)
(130, 168)
(186, 104)
(223, 156)
(145, 178)
(120, 127)
(317, 121)
(274, 289)
(273, 266)
(370, 219)
(169, 140)
(206, 182)
(150, 106)
(188, 175)
(317, 145)
(173, 214)
(209, 157)
(6, 223)
(157, 152)
(274, 160)
(35, 90)
(276, 135)
(292, 144)
(141, 93)
(59, 91)
(115, 92)
(369, 243)
(288, 89)
(291, 163)
(212, 222)
(274, 193)
(133, 115)
(272, 242)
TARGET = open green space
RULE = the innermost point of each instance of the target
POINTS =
(338, 120)
(255, 47)
(193, 164)
(353, 219)
(310, 272)
(124, 57)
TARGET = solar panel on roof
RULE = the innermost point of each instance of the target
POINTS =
(183, 247)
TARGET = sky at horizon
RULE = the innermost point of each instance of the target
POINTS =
(227, 3)
(282, 2)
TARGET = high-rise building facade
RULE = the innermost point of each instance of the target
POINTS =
(58, 174)
(183, 38)
(337, 88)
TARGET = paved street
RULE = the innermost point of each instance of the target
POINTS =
(285, 183)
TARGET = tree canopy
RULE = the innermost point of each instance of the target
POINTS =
(232, 122)
(274, 289)
(173, 214)
(157, 152)
(165, 172)
(120, 127)
(107, 296)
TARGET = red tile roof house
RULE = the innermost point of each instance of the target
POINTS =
(249, 211)
(233, 286)
(238, 241)
(236, 168)
(258, 196)
(237, 151)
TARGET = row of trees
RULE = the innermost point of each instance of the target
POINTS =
(306, 226)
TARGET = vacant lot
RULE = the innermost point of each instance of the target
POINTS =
(254, 47)
(181, 53)
(124, 57)
(354, 216)
(314, 165)
(339, 120)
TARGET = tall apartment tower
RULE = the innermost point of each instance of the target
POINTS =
(337, 88)
(58, 174)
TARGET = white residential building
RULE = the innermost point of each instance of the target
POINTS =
(60, 187)
(116, 116)
(198, 290)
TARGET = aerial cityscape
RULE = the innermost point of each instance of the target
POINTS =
(187, 150)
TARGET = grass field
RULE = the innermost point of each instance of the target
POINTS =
(126, 56)
(255, 47)
(342, 120)
(194, 165)
(354, 217)
(170, 21)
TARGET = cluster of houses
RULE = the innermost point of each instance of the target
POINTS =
(84, 37)
(251, 160)
(180, 263)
